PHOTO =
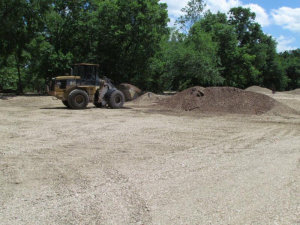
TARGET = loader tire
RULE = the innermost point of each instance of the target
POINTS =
(116, 99)
(78, 99)
(66, 103)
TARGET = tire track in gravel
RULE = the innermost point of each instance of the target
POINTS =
(118, 198)
(249, 139)
(68, 192)
(139, 211)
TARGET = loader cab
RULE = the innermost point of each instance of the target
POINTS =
(88, 73)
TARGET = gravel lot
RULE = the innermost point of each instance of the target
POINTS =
(143, 166)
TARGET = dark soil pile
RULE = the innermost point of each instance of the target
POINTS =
(220, 100)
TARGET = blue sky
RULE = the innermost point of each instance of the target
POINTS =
(279, 18)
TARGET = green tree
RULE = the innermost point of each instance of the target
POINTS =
(273, 73)
(70, 28)
(8, 73)
(244, 22)
(128, 34)
(45, 63)
(186, 61)
(290, 61)
(192, 14)
(68, 37)
(19, 22)
(258, 51)
(225, 37)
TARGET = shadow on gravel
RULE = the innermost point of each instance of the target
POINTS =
(5, 96)
(65, 108)
(54, 108)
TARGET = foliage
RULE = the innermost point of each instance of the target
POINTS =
(129, 33)
(8, 74)
(189, 62)
(247, 55)
(19, 21)
(192, 13)
(291, 64)
(132, 43)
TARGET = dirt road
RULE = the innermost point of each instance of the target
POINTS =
(139, 166)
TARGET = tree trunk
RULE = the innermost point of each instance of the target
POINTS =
(20, 87)
(2, 83)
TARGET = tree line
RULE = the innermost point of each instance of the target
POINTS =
(131, 41)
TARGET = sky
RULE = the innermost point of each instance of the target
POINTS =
(279, 18)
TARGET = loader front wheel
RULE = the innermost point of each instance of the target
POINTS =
(78, 99)
(116, 100)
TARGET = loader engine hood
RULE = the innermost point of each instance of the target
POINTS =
(60, 83)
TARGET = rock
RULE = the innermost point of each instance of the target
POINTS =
(130, 91)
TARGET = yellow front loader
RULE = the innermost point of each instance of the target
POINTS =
(84, 86)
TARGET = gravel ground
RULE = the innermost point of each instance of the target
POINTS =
(143, 166)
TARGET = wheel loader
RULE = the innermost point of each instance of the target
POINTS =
(84, 86)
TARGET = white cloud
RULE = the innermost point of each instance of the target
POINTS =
(222, 5)
(285, 43)
(175, 6)
(288, 18)
(261, 15)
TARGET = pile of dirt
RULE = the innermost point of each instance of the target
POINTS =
(221, 100)
(258, 89)
(149, 98)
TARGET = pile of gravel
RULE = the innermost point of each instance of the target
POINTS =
(148, 98)
(220, 100)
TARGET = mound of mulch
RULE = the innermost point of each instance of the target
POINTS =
(258, 89)
(220, 100)
(149, 98)
(294, 92)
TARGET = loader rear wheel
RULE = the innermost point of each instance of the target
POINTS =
(78, 99)
(116, 100)
(66, 103)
